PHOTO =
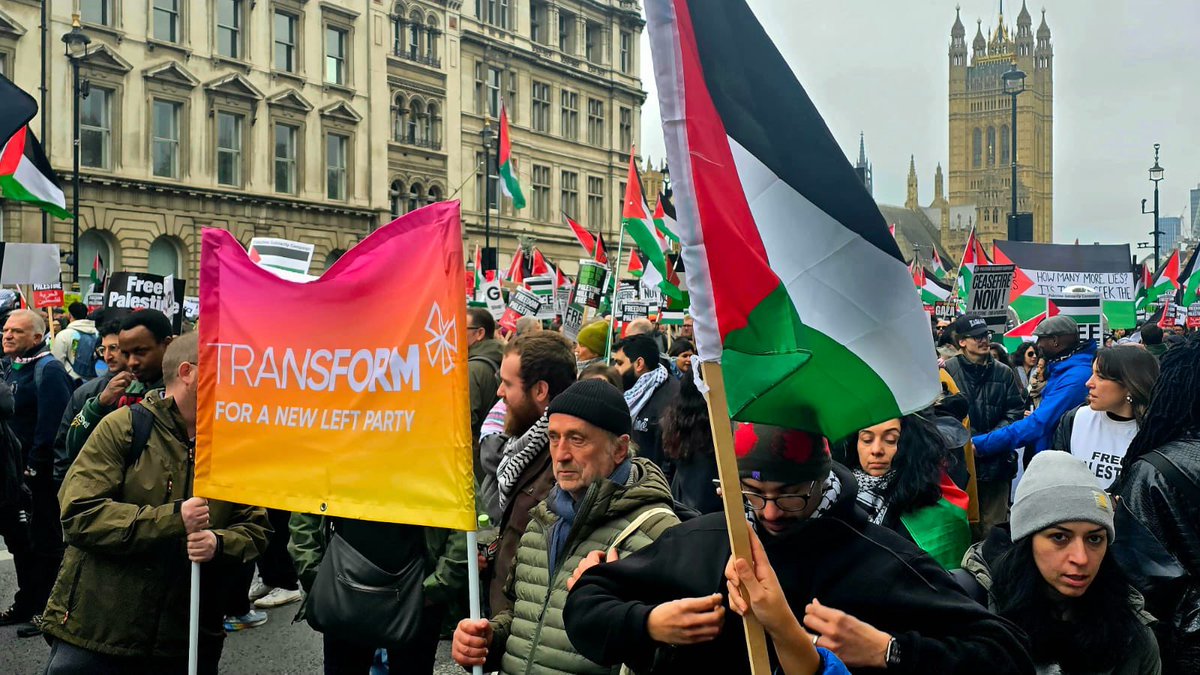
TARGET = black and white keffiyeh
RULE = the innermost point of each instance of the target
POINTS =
(870, 494)
(641, 391)
(518, 453)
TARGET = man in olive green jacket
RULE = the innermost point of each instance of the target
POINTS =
(604, 501)
(120, 603)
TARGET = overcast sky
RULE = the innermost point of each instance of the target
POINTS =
(1126, 76)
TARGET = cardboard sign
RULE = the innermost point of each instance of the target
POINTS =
(523, 302)
(988, 296)
(562, 298)
(29, 264)
(1085, 308)
(138, 290)
(572, 321)
(1172, 315)
(627, 291)
(493, 296)
(95, 301)
(191, 307)
(631, 311)
(47, 295)
(543, 287)
(650, 294)
(589, 283)
(1193, 315)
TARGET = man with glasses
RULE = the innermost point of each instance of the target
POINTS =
(108, 351)
(996, 400)
(862, 591)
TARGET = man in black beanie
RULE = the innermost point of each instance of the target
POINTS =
(860, 590)
(603, 500)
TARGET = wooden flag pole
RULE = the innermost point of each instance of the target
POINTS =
(731, 499)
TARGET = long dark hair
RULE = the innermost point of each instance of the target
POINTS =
(1133, 368)
(921, 456)
(1174, 408)
(684, 423)
(1088, 634)
(1018, 357)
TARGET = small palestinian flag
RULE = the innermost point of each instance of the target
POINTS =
(99, 275)
(1166, 281)
(939, 268)
(931, 289)
(973, 255)
(540, 267)
(635, 218)
(26, 175)
(516, 270)
(636, 266)
(508, 170)
(664, 219)
(1189, 282)
(586, 240)
(797, 287)
(1143, 281)
(480, 278)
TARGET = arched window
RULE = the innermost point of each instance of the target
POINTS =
(414, 35)
(415, 109)
(399, 112)
(164, 257)
(396, 198)
(398, 24)
(92, 242)
(415, 195)
(976, 148)
(991, 146)
(431, 35)
(429, 122)
(1005, 142)
(435, 194)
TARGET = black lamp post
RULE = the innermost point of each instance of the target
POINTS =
(1014, 84)
(489, 137)
(1156, 175)
(76, 43)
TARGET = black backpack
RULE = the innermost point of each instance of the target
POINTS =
(143, 424)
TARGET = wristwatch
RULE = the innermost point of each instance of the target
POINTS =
(892, 656)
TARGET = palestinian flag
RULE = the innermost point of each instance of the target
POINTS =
(601, 254)
(939, 268)
(19, 107)
(636, 266)
(98, 276)
(508, 171)
(1143, 283)
(942, 529)
(516, 269)
(664, 220)
(480, 276)
(1023, 332)
(973, 255)
(26, 175)
(1166, 280)
(635, 218)
(774, 224)
(1189, 282)
(931, 289)
(586, 240)
(1045, 270)
(540, 267)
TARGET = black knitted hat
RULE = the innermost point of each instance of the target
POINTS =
(596, 402)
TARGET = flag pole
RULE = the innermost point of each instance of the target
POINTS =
(731, 501)
(194, 622)
(473, 584)
(616, 283)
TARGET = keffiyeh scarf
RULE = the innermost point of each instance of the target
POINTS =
(518, 454)
(641, 391)
(870, 494)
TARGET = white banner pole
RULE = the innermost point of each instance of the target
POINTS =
(194, 622)
(472, 584)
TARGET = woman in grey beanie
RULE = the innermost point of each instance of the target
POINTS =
(1048, 572)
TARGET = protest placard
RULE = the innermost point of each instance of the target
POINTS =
(627, 291)
(1084, 308)
(543, 287)
(631, 311)
(493, 296)
(944, 310)
(139, 290)
(94, 301)
(283, 254)
(29, 263)
(572, 321)
(191, 307)
(651, 294)
(988, 295)
(1044, 270)
(522, 302)
(47, 295)
(1193, 315)
(304, 414)
(589, 283)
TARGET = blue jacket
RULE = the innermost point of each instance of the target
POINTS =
(1066, 389)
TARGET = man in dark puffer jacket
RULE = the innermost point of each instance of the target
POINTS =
(996, 401)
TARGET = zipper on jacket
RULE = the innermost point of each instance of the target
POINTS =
(71, 595)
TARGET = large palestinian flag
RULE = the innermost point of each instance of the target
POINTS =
(1166, 279)
(637, 221)
(797, 286)
(1044, 270)
(26, 175)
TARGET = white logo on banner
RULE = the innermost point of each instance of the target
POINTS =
(442, 349)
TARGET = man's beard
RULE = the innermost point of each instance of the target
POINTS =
(520, 417)
(628, 379)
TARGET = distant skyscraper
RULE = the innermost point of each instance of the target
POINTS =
(1172, 229)
(1195, 212)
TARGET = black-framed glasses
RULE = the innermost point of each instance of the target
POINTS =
(791, 503)
(474, 327)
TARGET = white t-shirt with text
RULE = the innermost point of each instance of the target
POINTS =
(1101, 441)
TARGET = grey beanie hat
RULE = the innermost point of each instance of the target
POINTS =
(1059, 488)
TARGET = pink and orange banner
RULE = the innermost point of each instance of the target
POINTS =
(343, 396)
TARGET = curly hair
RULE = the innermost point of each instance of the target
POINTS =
(1174, 408)
(684, 423)
(921, 456)
(1101, 626)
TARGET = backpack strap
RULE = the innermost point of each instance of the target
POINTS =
(637, 522)
(143, 424)
(477, 358)
(39, 370)
(1174, 475)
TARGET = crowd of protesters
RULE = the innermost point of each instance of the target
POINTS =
(1039, 517)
